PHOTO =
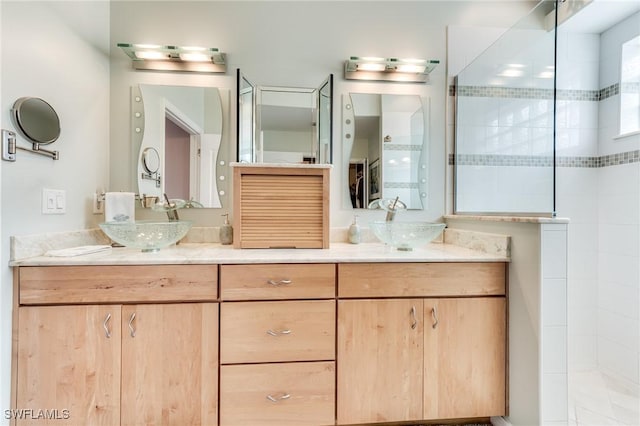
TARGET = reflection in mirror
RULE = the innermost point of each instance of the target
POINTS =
(288, 125)
(386, 148)
(151, 165)
(183, 126)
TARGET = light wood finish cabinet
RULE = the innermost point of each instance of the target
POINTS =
(112, 364)
(69, 361)
(393, 342)
(380, 360)
(117, 284)
(421, 279)
(421, 358)
(464, 357)
(277, 351)
(278, 281)
(277, 331)
(280, 207)
(170, 364)
(281, 394)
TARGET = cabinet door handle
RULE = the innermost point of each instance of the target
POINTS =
(279, 283)
(414, 318)
(105, 325)
(132, 329)
(278, 332)
(278, 398)
(434, 315)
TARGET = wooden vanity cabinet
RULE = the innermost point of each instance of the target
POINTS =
(431, 346)
(116, 361)
(277, 344)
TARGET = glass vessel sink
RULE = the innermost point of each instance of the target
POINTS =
(147, 235)
(406, 235)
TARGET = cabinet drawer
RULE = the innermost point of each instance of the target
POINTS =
(421, 279)
(117, 284)
(277, 281)
(278, 394)
(277, 331)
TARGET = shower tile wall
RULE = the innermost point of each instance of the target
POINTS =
(576, 186)
(618, 301)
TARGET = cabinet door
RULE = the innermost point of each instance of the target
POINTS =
(380, 358)
(170, 364)
(68, 367)
(464, 364)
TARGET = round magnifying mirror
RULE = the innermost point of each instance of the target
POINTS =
(150, 160)
(37, 120)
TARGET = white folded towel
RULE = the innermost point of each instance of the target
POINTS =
(77, 251)
(119, 207)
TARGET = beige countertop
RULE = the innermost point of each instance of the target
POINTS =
(207, 253)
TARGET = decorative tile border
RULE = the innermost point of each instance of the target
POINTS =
(530, 93)
(402, 147)
(401, 185)
(544, 161)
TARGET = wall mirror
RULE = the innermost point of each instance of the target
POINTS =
(284, 124)
(385, 148)
(178, 132)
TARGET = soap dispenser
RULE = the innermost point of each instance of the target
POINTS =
(354, 231)
(226, 231)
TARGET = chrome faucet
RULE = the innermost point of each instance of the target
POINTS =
(388, 205)
(391, 211)
(171, 209)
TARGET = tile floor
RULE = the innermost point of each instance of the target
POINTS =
(596, 399)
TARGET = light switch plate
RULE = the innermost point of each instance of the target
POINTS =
(54, 201)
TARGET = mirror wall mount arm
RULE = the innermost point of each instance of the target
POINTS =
(10, 147)
(152, 176)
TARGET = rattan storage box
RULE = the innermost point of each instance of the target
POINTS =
(280, 206)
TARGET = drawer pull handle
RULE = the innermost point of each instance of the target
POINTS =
(434, 315)
(132, 329)
(414, 319)
(278, 332)
(105, 325)
(279, 283)
(278, 398)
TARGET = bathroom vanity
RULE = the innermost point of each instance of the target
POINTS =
(205, 334)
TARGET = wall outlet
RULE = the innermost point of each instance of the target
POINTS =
(54, 201)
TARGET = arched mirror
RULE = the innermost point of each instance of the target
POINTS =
(284, 124)
(385, 143)
(178, 131)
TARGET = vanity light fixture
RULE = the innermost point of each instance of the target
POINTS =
(174, 58)
(389, 69)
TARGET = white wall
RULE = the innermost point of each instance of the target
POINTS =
(59, 52)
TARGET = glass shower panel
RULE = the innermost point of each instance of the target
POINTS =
(504, 150)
